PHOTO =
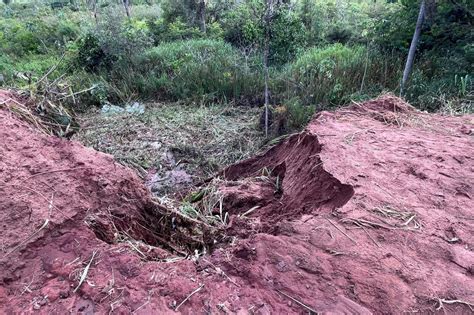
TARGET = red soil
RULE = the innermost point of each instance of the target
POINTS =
(318, 237)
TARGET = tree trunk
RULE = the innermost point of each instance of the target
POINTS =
(267, 17)
(202, 15)
(94, 9)
(126, 5)
(365, 70)
(265, 69)
(414, 43)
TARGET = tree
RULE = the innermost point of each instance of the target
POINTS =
(269, 10)
(193, 12)
(93, 7)
(126, 5)
(414, 42)
(201, 15)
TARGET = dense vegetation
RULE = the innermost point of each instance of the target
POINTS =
(322, 53)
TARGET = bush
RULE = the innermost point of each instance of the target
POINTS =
(287, 37)
(190, 69)
(176, 30)
(36, 35)
(17, 38)
(245, 28)
(326, 75)
(432, 94)
(38, 65)
(113, 44)
(90, 54)
(6, 70)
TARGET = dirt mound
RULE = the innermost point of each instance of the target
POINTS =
(354, 215)
(294, 175)
(64, 206)
(371, 209)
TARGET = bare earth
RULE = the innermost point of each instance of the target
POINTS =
(369, 210)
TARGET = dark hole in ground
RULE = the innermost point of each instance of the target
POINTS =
(158, 227)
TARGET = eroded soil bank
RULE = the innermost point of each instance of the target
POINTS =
(368, 210)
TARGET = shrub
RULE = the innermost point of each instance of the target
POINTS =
(176, 30)
(36, 35)
(287, 36)
(6, 70)
(244, 28)
(114, 43)
(432, 94)
(91, 89)
(18, 38)
(38, 65)
(90, 54)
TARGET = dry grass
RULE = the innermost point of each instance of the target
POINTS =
(205, 205)
(456, 107)
(44, 103)
(48, 117)
(398, 218)
(199, 139)
(442, 302)
(386, 217)
(189, 296)
(84, 272)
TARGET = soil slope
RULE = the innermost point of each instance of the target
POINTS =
(369, 210)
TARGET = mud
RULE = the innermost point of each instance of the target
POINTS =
(368, 210)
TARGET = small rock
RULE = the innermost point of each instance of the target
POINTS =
(63, 294)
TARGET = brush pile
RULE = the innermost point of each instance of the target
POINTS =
(42, 108)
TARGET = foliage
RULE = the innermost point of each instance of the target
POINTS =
(332, 75)
(90, 54)
(323, 53)
(331, 21)
(244, 28)
(298, 114)
(38, 35)
(176, 30)
(113, 43)
(190, 69)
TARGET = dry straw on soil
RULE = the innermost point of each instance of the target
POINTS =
(200, 139)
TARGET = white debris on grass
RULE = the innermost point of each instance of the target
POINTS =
(135, 108)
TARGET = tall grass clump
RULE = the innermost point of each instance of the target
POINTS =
(333, 75)
(191, 69)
